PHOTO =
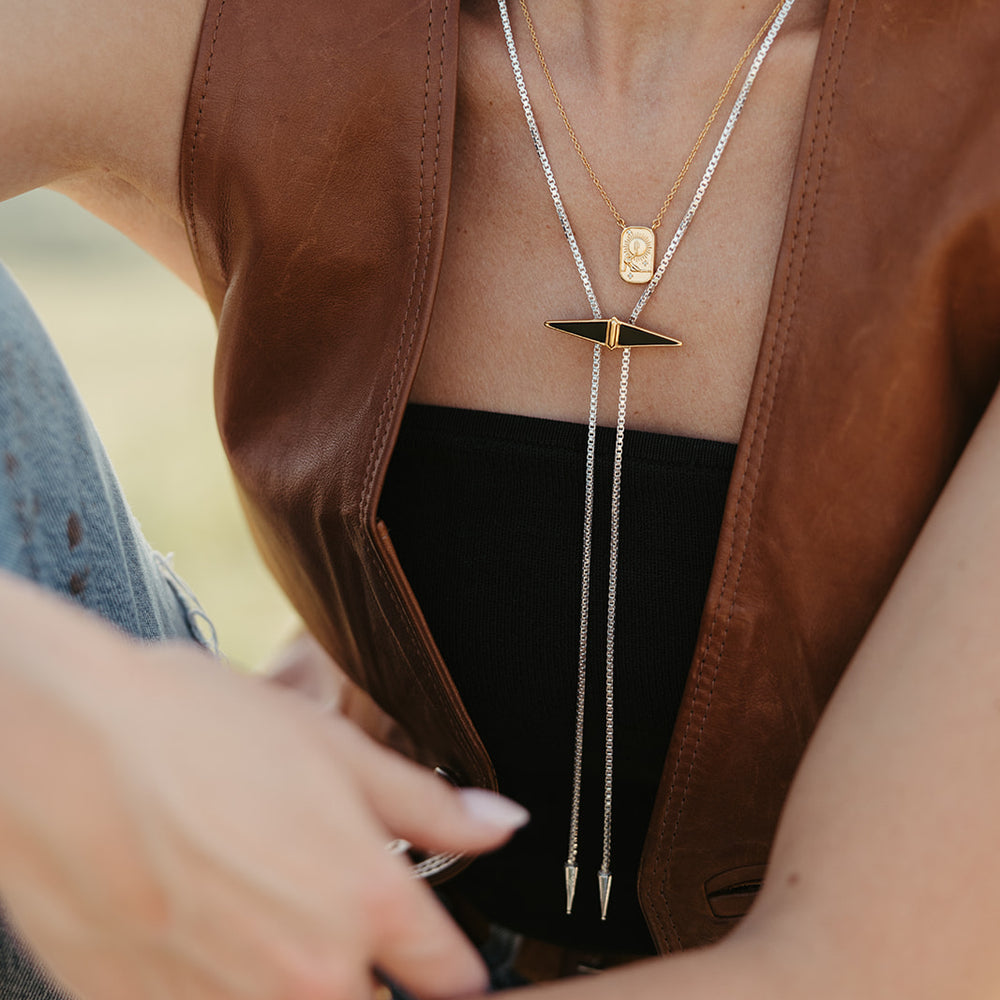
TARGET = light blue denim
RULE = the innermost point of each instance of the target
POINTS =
(65, 525)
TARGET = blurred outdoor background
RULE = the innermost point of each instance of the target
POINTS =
(139, 345)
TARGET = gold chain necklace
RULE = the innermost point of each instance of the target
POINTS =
(637, 247)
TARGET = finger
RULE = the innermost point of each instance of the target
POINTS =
(415, 803)
(380, 988)
(420, 948)
(303, 666)
(452, 820)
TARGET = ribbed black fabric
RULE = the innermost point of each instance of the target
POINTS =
(486, 512)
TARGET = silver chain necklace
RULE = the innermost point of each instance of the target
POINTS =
(612, 333)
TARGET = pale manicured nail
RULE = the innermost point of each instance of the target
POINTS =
(488, 807)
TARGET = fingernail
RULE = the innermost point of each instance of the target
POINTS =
(488, 807)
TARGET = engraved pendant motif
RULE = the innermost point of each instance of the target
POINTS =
(637, 254)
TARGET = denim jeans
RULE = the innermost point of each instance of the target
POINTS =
(65, 525)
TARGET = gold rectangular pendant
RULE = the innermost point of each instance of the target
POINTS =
(637, 255)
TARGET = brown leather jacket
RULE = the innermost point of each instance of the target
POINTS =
(316, 169)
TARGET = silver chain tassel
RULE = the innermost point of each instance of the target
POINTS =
(570, 867)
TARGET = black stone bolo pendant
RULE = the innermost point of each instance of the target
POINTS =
(613, 333)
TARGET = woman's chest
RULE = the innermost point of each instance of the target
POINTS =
(507, 266)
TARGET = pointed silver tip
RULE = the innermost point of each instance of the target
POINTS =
(570, 871)
(604, 884)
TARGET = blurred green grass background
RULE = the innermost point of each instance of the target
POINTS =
(139, 345)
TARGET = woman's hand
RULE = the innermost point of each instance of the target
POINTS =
(170, 829)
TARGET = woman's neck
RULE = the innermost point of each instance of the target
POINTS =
(621, 43)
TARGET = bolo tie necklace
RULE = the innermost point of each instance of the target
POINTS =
(636, 267)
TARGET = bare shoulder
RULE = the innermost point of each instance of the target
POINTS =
(94, 97)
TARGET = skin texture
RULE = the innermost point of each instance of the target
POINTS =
(883, 880)
(94, 106)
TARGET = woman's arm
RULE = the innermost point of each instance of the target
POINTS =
(92, 103)
(168, 826)
(884, 880)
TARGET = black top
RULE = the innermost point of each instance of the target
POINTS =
(486, 512)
